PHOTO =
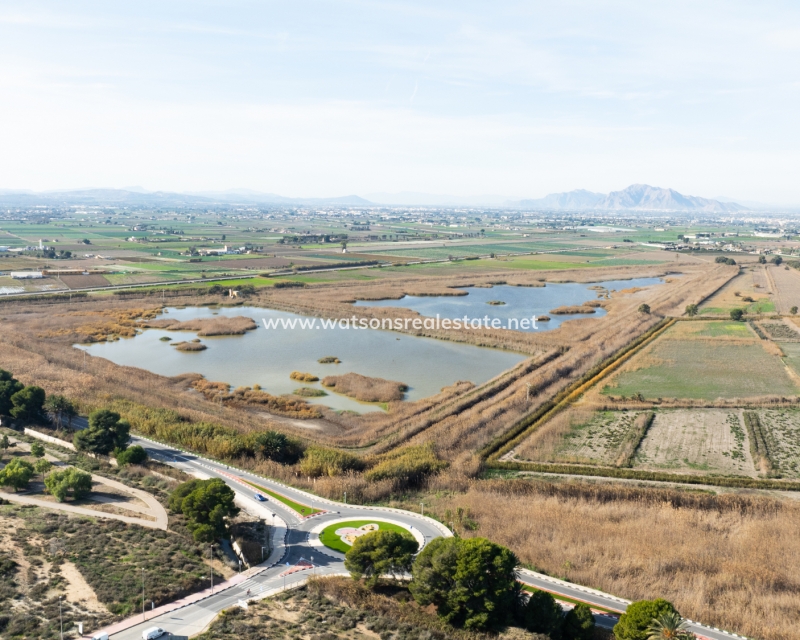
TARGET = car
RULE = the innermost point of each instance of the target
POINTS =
(260, 498)
(100, 636)
(153, 632)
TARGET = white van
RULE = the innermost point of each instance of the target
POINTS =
(100, 636)
(153, 632)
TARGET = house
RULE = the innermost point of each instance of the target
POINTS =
(26, 275)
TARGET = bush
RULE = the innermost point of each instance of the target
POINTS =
(737, 314)
(725, 260)
(16, 474)
(70, 482)
(644, 308)
(776, 260)
(132, 455)
(318, 461)
(635, 622)
(411, 465)
(472, 583)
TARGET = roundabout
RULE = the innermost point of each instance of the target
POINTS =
(336, 537)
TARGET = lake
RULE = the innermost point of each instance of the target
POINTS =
(520, 302)
(267, 357)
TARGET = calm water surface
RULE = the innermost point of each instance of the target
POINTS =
(267, 357)
(520, 302)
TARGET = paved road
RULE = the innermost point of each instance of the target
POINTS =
(195, 617)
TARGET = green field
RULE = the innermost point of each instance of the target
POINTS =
(329, 538)
(707, 368)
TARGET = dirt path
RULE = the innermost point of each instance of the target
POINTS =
(154, 508)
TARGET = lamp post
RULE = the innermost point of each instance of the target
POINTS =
(60, 618)
(211, 562)
(422, 508)
(144, 615)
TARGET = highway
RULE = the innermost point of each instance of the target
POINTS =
(297, 542)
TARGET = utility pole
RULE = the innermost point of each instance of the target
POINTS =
(422, 508)
(345, 497)
(211, 559)
(60, 618)
(144, 616)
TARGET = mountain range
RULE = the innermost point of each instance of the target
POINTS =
(637, 197)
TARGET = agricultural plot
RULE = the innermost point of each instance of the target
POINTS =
(696, 441)
(780, 331)
(750, 291)
(603, 438)
(699, 360)
(783, 425)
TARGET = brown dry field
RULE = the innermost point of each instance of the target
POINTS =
(752, 282)
(696, 441)
(732, 561)
(785, 281)
(80, 282)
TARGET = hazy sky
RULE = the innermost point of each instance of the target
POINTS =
(465, 98)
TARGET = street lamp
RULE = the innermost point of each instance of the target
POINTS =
(211, 562)
(422, 508)
(144, 616)
(60, 618)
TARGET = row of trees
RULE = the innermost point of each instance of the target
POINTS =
(473, 584)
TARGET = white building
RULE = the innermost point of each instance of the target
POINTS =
(26, 275)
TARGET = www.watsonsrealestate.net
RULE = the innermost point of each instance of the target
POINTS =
(398, 324)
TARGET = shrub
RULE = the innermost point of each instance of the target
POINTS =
(303, 377)
(737, 314)
(318, 461)
(634, 624)
(16, 474)
(132, 455)
(644, 308)
(70, 482)
(410, 464)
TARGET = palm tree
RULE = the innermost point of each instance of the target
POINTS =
(669, 626)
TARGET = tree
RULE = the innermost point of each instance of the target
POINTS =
(58, 408)
(70, 482)
(644, 308)
(4, 444)
(737, 314)
(42, 466)
(472, 583)
(206, 504)
(793, 310)
(273, 445)
(635, 623)
(132, 455)
(16, 474)
(27, 403)
(669, 626)
(8, 387)
(762, 260)
(37, 450)
(776, 260)
(380, 553)
(691, 310)
(542, 614)
(106, 433)
(578, 623)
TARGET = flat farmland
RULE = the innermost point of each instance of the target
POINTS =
(786, 282)
(701, 360)
(696, 441)
(784, 427)
(579, 437)
(750, 290)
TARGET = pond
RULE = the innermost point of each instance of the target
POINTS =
(267, 356)
(519, 302)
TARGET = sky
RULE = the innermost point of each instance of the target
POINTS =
(322, 99)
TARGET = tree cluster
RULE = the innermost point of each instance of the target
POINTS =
(106, 433)
(19, 401)
(206, 504)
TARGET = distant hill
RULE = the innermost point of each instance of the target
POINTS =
(138, 196)
(637, 197)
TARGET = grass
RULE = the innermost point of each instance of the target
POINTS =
(302, 509)
(691, 364)
(716, 329)
(329, 538)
